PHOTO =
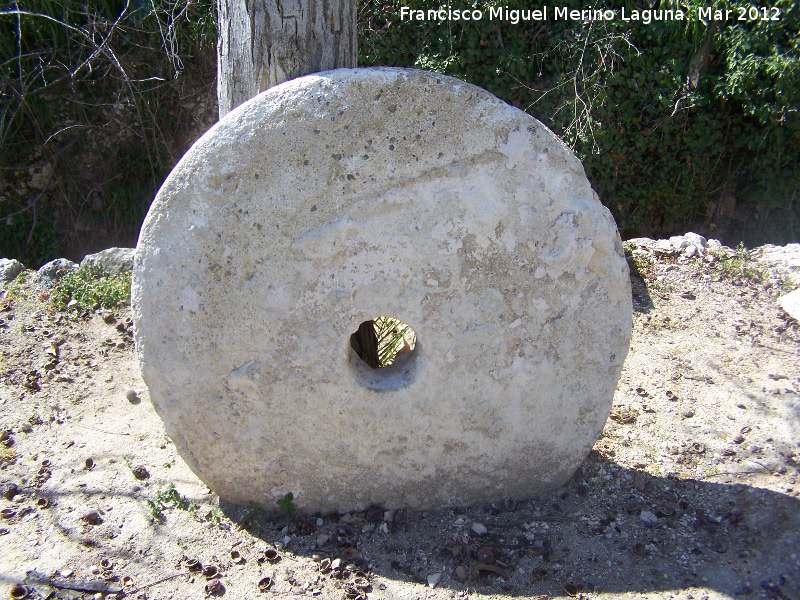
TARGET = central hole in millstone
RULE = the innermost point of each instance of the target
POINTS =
(382, 339)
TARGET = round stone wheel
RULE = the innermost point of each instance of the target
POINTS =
(342, 196)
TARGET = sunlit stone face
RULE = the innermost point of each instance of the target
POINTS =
(340, 197)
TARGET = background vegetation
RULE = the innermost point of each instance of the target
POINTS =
(99, 100)
(680, 124)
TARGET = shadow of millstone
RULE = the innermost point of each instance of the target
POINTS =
(611, 529)
(642, 302)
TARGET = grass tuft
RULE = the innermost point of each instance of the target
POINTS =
(90, 286)
(168, 498)
(286, 504)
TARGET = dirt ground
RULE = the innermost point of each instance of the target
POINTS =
(691, 492)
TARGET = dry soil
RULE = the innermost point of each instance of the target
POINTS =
(691, 491)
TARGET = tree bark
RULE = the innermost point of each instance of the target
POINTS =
(262, 43)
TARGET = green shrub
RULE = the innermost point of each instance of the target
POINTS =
(95, 91)
(89, 286)
(659, 151)
(168, 497)
(27, 235)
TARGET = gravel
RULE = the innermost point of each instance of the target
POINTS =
(667, 505)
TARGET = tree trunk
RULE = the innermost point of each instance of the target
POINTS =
(262, 43)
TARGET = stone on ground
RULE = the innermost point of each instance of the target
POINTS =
(9, 269)
(342, 196)
(113, 260)
(49, 273)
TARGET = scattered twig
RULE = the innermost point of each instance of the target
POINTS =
(152, 583)
(492, 568)
(771, 347)
(100, 430)
(90, 587)
(520, 523)
(734, 473)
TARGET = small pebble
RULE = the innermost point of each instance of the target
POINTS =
(479, 528)
(737, 438)
(93, 518)
(9, 490)
(434, 579)
(648, 517)
(140, 472)
(132, 396)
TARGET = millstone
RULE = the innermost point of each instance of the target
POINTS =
(342, 196)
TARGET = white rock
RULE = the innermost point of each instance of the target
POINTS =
(434, 579)
(113, 260)
(783, 260)
(678, 242)
(9, 269)
(791, 304)
(696, 240)
(664, 247)
(479, 528)
(51, 272)
(690, 244)
(335, 198)
(648, 517)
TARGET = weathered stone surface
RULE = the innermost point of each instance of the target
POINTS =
(113, 260)
(51, 272)
(791, 304)
(9, 269)
(687, 244)
(783, 259)
(338, 197)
